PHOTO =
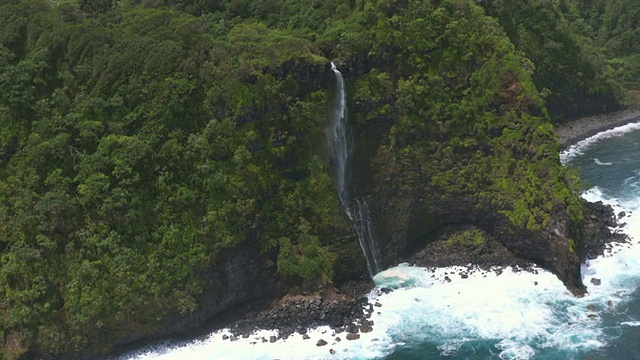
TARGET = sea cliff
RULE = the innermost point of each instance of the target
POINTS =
(165, 163)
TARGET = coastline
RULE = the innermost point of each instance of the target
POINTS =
(576, 130)
(347, 309)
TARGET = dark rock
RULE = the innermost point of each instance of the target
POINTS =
(596, 230)
(621, 214)
(596, 281)
(365, 328)
(447, 279)
(321, 342)
(591, 307)
(377, 304)
(273, 339)
(332, 352)
(306, 337)
(353, 336)
(351, 328)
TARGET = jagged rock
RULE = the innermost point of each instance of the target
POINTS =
(306, 337)
(273, 339)
(596, 281)
(332, 352)
(321, 342)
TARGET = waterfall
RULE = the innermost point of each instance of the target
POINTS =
(340, 141)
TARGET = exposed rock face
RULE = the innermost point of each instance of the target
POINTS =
(419, 225)
(241, 278)
(412, 213)
(596, 230)
(429, 190)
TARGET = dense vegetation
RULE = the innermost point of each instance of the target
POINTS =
(615, 26)
(572, 72)
(140, 140)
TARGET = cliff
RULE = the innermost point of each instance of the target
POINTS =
(163, 164)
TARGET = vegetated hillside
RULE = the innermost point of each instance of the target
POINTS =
(163, 161)
(572, 69)
(616, 28)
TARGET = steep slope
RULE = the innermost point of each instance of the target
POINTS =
(160, 167)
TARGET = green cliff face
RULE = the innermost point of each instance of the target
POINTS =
(164, 161)
(461, 138)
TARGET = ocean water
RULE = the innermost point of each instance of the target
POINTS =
(499, 314)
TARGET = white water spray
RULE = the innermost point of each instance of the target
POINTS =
(340, 150)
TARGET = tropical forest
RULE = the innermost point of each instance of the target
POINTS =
(162, 161)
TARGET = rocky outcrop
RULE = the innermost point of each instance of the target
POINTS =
(339, 308)
(599, 229)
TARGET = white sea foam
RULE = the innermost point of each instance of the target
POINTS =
(630, 323)
(598, 162)
(580, 147)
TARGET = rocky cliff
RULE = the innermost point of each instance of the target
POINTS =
(162, 164)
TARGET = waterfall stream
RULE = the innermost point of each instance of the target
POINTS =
(340, 141)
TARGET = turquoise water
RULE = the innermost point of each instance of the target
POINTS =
(438, 314)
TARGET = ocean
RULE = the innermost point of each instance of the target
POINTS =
(498, 314)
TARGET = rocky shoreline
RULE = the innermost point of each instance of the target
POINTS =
(346, 308)
(573, 131)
